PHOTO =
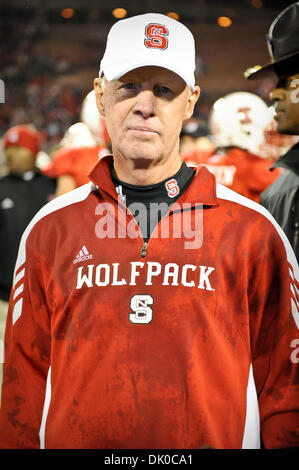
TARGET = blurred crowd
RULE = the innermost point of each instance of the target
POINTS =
(35, 89)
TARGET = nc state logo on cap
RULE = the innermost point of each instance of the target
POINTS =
(156, 36)
(13, 137)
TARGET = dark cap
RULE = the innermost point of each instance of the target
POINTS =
(283, 45)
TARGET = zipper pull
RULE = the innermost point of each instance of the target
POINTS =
(143, 250)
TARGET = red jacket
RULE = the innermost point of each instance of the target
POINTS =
(109, 345)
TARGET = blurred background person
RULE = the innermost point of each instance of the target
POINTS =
(195, 142)
(23, 191)
(276, 143)
(282, 197)
(80, 149)
(237, 125)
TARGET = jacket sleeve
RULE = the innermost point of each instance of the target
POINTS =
(26, 355)
(273, 297)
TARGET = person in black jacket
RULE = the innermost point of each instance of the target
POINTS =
(23, 191)
(282, 197)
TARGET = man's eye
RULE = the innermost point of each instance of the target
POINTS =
(163, 89)
(282, 82)
(128, 86)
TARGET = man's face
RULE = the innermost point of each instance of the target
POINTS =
(286, 98)
(144, 112)
(19, 159)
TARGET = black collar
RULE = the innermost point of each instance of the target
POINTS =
(160, 192)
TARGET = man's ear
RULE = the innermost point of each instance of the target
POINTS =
(193, 97)
(99, 93)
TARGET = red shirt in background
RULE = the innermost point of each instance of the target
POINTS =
(237, 169)
(76, 162)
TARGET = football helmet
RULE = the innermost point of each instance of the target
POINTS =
(78, 135)
(91, 117)
(240, 119)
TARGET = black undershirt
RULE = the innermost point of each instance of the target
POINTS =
(148, 204)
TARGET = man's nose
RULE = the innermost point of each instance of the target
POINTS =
(145, 105)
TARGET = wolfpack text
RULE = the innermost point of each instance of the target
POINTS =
(170, 274)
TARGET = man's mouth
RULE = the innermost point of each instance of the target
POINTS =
(278, 112)
(143, 129)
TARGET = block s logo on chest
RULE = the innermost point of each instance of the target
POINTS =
(141, 312)
(172, 188)
(157, 36)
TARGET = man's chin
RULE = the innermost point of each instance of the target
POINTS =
(285, 129)
(144, 153)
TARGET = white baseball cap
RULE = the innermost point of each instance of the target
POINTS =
(149, 39)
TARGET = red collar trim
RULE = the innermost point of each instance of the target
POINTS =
(202, 189)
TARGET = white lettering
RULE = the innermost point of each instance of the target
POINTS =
(204, 278)
(121, 220)
(184, 275)
(294, 98)
(187, 275)
(133, 230)
(152, 459)
(157, 212)
(115, 281)
(166, 459)
(105, 226)
(140, 216)
(295, 353)
(187, 221)
(99, 268)
(85, 279)
(177, 220)
(134, 273)
(223, 174)
(171, 271)
(154, 269)
(193, 234)
(115, 460)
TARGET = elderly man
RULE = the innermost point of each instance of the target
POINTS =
(160, 310)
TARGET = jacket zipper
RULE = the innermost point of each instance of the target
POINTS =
(143, 250)
(144, 246)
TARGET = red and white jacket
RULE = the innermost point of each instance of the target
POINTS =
(185, 343)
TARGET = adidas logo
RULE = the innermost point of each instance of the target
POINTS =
(82, 255)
